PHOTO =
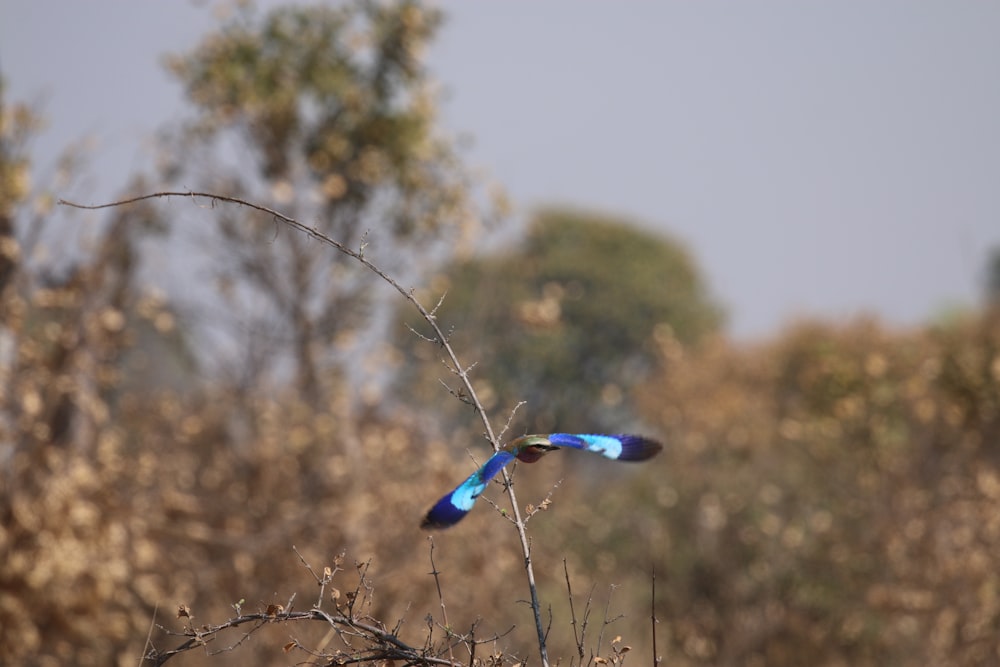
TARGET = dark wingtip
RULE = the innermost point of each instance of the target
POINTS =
(429, 524)
(638, 447)
(442, 515)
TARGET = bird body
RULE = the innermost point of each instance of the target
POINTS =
(453, 507)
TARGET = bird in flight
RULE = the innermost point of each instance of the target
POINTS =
(529, 448)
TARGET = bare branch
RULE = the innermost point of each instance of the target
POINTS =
(438, 305)
(457, 393)
(652, 613)
(578, 632)
(149, 635)
(607, 621)
(532, 510)
(444, 610)
(510, 417)
(421, 336)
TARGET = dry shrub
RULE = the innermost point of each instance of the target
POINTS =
(826, 498)
(124, 499)
(169, 506)
(831, 497)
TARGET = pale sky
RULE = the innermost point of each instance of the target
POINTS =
(818, 158)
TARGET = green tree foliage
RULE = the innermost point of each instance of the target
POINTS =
(991, 283)
(565, 321)
(326, 114)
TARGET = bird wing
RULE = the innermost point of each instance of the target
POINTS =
(454, 506)
(620, 447)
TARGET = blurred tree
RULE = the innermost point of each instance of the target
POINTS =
(828, 497)
(326, 114)
(565, 321)
(70, 306)
(16, 125)
(992, 281)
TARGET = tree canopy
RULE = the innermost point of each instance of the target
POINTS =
(326, 114)
(565, 320)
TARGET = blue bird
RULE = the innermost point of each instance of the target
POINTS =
(529, 448)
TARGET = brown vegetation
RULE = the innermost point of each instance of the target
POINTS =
(833, 496)
(830, 497)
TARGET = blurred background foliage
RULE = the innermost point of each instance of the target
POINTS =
(325, 113)
(827, 497)
(565, 320)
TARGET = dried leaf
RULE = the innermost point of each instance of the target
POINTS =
(273, 610)
(184, 611)
(617, 639)
(600, 661)
(288, 647)
(327, 572)
(334, 594)
(625, 649)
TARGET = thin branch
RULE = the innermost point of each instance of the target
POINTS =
(328, 574)
(472, 647)
(149, 635)
(444, 610)
(607, 621)
(500, 510)
(532, 510)
(578, 632)
(421, 336)
(435, 309)
(652, 614)
(457, 393)
(510, 417)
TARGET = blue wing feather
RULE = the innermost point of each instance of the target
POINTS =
(453, 507)
(619, 447)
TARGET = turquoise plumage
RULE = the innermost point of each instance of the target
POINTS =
(453, 507)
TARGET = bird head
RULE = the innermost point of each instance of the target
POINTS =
(530, 448)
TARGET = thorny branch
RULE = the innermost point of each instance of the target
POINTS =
(579, 631)
(383, 645)
(652, 615)
(458, 368)
(377, 643)
(444, 610)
